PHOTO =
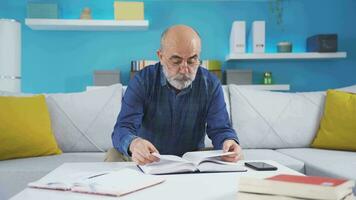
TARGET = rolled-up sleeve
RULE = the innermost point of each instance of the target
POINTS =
(218, 123)
(130, 116)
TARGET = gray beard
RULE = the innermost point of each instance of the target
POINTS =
(178, 81)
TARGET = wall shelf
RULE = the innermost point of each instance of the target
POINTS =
(280, 87)
(86, 25)
(276, 56)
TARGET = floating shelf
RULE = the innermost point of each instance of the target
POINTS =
(86, 25)
(282, 87)
(270, 56)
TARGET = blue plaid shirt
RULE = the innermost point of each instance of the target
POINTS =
(173, 122)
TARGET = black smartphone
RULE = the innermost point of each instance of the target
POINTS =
(260, 166)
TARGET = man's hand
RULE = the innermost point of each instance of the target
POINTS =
(142, 151)
(232, 146)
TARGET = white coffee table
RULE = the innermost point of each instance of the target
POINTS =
(184, 186)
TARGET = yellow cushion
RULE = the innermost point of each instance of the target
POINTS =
(338, 126)
(25, 128)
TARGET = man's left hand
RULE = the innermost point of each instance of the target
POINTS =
(232, 146)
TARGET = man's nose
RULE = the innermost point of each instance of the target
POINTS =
(184, 68)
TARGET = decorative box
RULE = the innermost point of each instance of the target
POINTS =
(129, 10)
(42, 10)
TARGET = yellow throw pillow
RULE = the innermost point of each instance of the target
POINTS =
(25, 128)
(338, 126)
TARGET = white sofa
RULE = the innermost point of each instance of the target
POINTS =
(270, 125)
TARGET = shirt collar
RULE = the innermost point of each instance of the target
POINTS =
(162, 76)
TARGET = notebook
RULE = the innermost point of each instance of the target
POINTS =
(112, 183)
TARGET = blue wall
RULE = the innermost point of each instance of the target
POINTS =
(61, 61)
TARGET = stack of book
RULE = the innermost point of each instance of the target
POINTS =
(137, 65)
(214, 66)
(293, 187)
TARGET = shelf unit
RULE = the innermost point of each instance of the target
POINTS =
(86, 25)
(276, 56)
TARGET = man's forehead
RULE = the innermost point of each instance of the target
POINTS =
(177, 55)
(182, 51)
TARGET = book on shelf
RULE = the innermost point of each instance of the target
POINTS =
(190, 162)
(112, 183)
(309, 187)
(214, 66)
(137, 65)
(211, 65)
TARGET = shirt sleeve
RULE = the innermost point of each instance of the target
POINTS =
(218, 123)
(130, 117)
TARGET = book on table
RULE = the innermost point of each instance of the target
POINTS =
(197, 161)
(286, 186)
(110, 183)
(254, 196)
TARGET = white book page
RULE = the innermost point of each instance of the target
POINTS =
(197, 157)
(221, 166)
(168, 164)
(64, 182)
(117, 183)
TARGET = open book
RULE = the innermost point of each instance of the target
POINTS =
(113, 183)
(197, 161)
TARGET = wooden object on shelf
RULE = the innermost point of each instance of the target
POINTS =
(86, 13)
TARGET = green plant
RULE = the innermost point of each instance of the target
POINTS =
(276, 8)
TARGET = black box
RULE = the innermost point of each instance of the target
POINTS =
(322, 43)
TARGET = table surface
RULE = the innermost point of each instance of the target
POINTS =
(183, 186)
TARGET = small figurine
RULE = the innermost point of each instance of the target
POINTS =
(86, 13)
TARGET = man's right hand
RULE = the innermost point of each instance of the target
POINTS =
(142, 150)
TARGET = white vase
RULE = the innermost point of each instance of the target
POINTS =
(10, 55)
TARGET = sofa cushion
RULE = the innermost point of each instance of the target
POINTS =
(338, 128)
(23, 171)
(320, 162)
(268, 154)
(265, 119)
(227, 99)
(25, 128)
(84, 121)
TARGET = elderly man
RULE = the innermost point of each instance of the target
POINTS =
(168, 107)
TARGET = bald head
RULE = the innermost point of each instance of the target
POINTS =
(179, 55)
(180, 37)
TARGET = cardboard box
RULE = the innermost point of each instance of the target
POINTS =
(106, 77)
(258, 36)
(238, 76)
(129, 10)
(238, 37)
(42, 10)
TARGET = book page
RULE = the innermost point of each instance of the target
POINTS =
(197, 157)
(117, 183)
(221, 166)
(168, 164)
(64, 182)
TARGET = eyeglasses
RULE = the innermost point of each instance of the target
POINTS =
(177, 62)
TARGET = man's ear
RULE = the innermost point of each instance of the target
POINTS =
(159, 55)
